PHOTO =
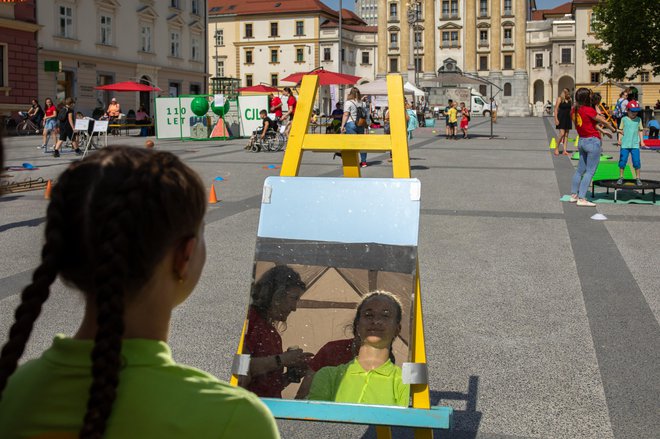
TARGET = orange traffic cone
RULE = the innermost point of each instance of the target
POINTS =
(212, 198)
(49, 187)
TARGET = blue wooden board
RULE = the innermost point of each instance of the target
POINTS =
(436, 417)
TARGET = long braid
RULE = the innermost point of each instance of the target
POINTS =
(35, 294)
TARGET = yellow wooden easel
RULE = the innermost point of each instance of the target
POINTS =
(349, 146)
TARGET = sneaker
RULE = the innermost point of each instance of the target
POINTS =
(573, 198)
(56, 153)
(78, 151)
(639, 182)
(41, 147)
(363, 164)
(619, 181)
(585, 203)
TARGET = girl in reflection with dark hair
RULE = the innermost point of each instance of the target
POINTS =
(371, 377)
(274, 296)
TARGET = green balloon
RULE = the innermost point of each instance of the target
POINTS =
(199, 106)
(220, 111)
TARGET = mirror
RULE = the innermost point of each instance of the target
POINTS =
(330, 309)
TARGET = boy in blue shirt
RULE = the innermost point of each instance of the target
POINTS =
(632, 139)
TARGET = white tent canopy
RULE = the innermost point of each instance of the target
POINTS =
(418, 92)
(379, 88)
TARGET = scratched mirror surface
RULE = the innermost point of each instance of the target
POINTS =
(331, 299)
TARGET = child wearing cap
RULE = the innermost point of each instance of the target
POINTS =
(631, 140)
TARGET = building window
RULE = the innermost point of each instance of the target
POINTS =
(248, 80)
(248, 56)
(644, 77)
(194, 49)
(195, 89)
(300, 28)
(220, 68)
(454, 9)
(174, 4)
(566, 55)
(419, 39)
(595, 77)
(483, 8)
(327, 54)
(273, 55)
(445, 8)
(105, 29)
(365, 57)
(394, 40)
(483, 37)
(194, 7)
(273, 79)
(343, 55)
(483, 90)
(450, 38)
(445, 39)
(3, 65)
(507, 89)
(538, 57)
(66, 22)
(394, 65)
(300, 54)
(248, 30)
(508, 62)
(454, 38)
(394, 11)
(175, 41)
(219, 37)
(418, 64)
(483, 62)
(145, 38)
(273, 30)
(508, 36)
(508, 10)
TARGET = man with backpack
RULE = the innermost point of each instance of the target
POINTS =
(620, 109)
(67, 123)
(354, 120)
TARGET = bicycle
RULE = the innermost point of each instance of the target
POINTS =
(26, 126)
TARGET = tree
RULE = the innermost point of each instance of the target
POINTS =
(630, 35)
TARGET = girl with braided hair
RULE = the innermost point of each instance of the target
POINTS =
(133, 221)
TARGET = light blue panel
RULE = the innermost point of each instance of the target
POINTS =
(436, 417)
(355, 210)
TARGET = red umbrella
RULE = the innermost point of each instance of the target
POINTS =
(326, 77)
(127, 86)
(259, 89)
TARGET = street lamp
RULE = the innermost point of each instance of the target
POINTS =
(414, 12)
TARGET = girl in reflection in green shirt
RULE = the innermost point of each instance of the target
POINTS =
(371, 377)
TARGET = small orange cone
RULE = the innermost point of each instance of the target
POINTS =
(212, 198)
(49, 187)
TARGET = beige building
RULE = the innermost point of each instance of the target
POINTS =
(481, 37)
(587, 75)
(105, 41)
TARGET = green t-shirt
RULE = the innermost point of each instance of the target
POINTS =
(156, 397)
(631, 129)
(350, 383)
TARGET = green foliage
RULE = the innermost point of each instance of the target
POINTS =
(630, 32)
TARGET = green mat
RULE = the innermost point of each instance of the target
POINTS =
(610, 171)
(603, 157)
(623, 197)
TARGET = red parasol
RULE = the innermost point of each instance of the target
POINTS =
(127, 86)
(326, 77)
(259, 89)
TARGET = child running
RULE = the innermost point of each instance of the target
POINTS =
(585, 119)
(125, 227)
(631, 140)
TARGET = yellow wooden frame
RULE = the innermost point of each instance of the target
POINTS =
(349, 146)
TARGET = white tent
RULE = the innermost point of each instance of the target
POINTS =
(378, 88)
(410, 87)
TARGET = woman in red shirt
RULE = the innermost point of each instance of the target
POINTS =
(291, 103)
(585, 119)
(50, 122)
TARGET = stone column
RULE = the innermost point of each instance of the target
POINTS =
(496, 36)
(470, 37)
(521, 22)
(429, 39)
(383, 38)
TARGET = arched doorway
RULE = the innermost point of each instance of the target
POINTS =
(539, 92)
(566, 82)
(145, 96)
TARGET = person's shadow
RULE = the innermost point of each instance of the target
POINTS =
(465, 424)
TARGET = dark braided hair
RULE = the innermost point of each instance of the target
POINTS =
(111, 219)
(358, 315)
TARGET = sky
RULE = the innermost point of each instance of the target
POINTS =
(350, 4)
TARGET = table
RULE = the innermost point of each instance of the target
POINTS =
(627, 184)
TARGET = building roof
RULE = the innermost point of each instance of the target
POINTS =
(271, 7)
(557, 12)
(330, 24)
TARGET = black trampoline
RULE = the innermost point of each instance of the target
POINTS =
(647, 185)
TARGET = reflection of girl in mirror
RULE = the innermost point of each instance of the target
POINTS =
(273, 297)
(125, 227)
(372, 377)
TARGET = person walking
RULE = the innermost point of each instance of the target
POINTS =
(350, 122)
(50, 123)
(291, 105)
(563, 122)
(67, 125)
(590, 145)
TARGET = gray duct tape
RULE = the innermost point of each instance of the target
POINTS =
(415, 373)
(241, 364)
